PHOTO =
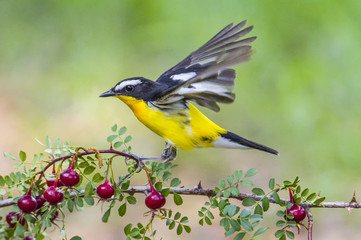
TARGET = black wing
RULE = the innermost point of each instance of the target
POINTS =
(204, 76)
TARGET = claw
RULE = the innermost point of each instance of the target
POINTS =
(169, 153)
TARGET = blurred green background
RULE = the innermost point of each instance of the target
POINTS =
(300, 93)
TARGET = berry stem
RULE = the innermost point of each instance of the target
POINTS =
(291, 196)
(108, 166)
(57, 176)
(31, 186)
(72, 161)
(149, 179)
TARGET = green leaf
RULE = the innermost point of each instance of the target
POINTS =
(175, 182)
(229, 232)
(22, 156)
(48, 142)
(245, 212)
(210, 215)
(256, 217)
(97, 178)
(79, 202)
(258, 191)
(247, 183)
(114, 128)
(311, 197)
(276, 197)
(171, 225)
(280, 213)
(106, 216)
(70, 205)
(9, 156)
(305, 192)
(319, 200)
(248, 202)
(279, 233)
(230, 179)
(225, 223)
(131, 200)
(76, 238)
(127, 229)
(166, 175)
(122, 130)
(265, 204)
(125, 184)
(246, 225)
(127, 139)
(89, 169)
(111, 138)
(179, 229)
(177, 199)
(2, 181)
(222, 183)
(260, 231)
(226, 193)
(122, 209)
(20, 230)
(117, 144)
(185, 220)
(235, 225)
(280, 223)
(240, 236)
(177, 216)
(234, 191)
(88, 189)
(187, 228)
(251, 172)
(238, 174)
(207, 220)
(89, 200)
(231, 210)
(290, 234)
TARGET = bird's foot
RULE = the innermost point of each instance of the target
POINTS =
(169, 153)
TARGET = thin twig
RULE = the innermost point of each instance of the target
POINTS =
(211, 192)
(310, 222)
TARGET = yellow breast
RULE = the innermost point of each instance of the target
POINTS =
(186, 129)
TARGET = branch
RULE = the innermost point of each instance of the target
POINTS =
(210, 193)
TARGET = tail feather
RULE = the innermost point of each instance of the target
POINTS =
(231, 140)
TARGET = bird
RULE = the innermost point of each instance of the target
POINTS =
(204, 77)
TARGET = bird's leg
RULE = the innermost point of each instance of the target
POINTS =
(169, 153)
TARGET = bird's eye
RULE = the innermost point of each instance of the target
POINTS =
(129, 88)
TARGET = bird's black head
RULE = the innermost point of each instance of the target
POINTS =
(137, 87)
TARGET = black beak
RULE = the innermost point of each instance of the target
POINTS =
(107, 93)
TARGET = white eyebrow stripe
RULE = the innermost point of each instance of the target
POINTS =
(183, 76)
(125, 83)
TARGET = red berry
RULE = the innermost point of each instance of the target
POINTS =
(69, 177)
(27, 203)
(28, 238)
(53, 195)
(105, 190)
(11, 215)
(40, 200)
(155, 200)
(298, 213)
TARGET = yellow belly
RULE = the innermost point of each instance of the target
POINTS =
(185, 129)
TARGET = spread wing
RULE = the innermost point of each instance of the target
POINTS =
(204, 76)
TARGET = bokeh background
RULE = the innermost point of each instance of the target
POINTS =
(300, 93)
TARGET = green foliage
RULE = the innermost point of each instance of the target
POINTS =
(239, 219)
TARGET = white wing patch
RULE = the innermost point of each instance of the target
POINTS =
(205, 87)
(183, 76)
(222, 142)
(128, 82)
